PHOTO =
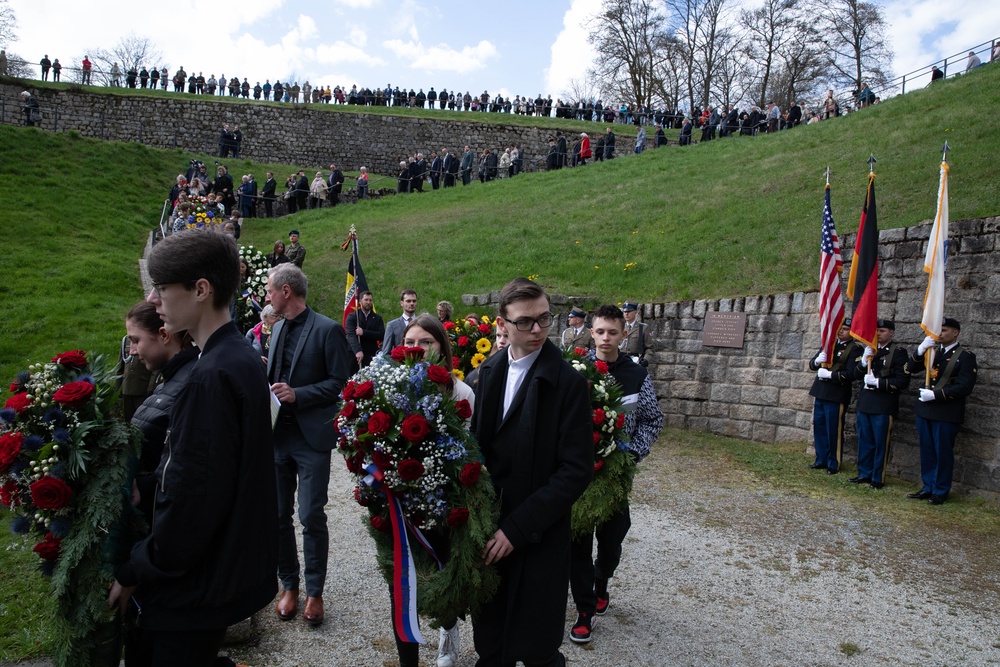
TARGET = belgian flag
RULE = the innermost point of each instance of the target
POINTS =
(356, 283)
(862, 285)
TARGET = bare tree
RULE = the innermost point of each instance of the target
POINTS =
(699, 25)
(581, 89)
(130, 51)
(8, 25)
(855, 42)
(768, 29)
(803, 64)
(626, 34)
(732, 73)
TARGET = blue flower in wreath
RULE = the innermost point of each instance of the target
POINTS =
(20, 525)
(54, 417)
(47, 567)
(60, 526)
(16, 468)
(32, 444)
(61, 436)
(7, 416)
(59, 471)
(87, 378)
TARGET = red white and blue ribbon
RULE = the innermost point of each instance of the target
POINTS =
(404, 580)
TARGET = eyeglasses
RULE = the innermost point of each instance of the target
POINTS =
(527, 323)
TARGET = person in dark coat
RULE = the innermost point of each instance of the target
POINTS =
(301, 190)
(609, 145)
(491, 165)
(561, 150)
(832, 391)
(365, 330)
(336, 185)
(403, 178)
(437, 168)
(552, 159)
(268, 194)
(686, 129)
(224, 186)
(533, 423)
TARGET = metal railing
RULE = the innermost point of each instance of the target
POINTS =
(956, 64)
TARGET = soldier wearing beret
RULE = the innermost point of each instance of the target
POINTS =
(576, 334)
(638, 338)
(940, 409)
(832, 391)
(295, 251)
(883, 373)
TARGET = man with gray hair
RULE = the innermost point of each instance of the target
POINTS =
(307, 365)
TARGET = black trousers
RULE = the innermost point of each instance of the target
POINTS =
(585, 571)
(191, 648)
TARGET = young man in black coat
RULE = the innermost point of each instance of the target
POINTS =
(533, 422)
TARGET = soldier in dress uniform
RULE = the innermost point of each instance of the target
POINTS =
(638, 339)
(576, 334)
(832, 390)
(940, 409)
(883, 372)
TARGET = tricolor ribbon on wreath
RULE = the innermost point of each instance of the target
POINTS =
(404, 580)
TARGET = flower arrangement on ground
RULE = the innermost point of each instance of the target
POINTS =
(614, 468)
(471, 343)
(65, 472)
(420, 475)
(253, 294)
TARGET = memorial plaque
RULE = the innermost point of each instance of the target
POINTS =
(724, 329)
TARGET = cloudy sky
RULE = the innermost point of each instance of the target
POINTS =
(512, 47)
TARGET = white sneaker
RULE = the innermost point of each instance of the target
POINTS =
(448, 647)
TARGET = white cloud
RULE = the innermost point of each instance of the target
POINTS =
(571, 52)
(441, 57)
(921, 33)
(357, 4)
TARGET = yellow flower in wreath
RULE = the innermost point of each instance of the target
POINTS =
(458, 373)
(477, 359)
(484, 345)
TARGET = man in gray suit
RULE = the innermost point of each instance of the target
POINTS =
(307, 365)
(395, 328)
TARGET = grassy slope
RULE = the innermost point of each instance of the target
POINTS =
(728, 218)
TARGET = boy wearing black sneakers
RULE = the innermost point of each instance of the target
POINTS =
(643, 423)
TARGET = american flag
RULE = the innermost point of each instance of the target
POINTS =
(831, 301)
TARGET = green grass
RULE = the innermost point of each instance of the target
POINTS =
(25, 601)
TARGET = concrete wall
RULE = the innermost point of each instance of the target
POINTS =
(307, 136)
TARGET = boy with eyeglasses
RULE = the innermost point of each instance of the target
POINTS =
(533, 423)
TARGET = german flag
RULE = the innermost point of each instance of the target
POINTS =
(862, 285)
(356, 283)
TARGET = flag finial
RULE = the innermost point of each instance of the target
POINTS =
(944, 151)
(828, 175)
(871, 163)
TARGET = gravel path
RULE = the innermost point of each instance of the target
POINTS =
(719, 569)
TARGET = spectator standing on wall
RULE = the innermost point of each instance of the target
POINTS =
(640, 138)
(116, 76)
(45, 64)
(56, 70)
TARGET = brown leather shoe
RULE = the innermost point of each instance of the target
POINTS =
(313, 613)
(288, 604)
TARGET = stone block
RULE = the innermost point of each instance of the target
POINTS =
(965, 228)
(689, 324)
(791, 434)
(986, 312)
(778, 416)
(793, 397)
(700, 308)
(977, 244)
(675, 420)
(691, 346)
(558, 299)
(761, 432)
(777, 378)
(670, 310)
(751, 304)
(991, 225)
(921, 231)
(469, 299)
(910, 249)
(685, 309)
(711, 409)
(699, 391)
(759, 395)
(747, 412)
(798, 302)
(727, 393)
(886, 236)
(689, 407)
(746, 376)
(731, 428)
(725, 305)
(804, 420)
(710, 373)
(890, 268)
(781, 304)
(697, 424)
(789, 346)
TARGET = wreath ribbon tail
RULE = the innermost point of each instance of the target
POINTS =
(404, 579)
(419, 536)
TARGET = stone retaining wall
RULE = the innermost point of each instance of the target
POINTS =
(289, 133)
(761, 392)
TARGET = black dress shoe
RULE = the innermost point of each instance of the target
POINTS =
(936, 500)
(859, 480)
(831, 471)
(817, 466)
(875, 485)
(919, 495)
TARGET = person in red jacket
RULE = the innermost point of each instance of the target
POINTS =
(584, 147)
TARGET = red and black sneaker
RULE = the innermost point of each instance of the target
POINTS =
(603, 602)
(583, 630)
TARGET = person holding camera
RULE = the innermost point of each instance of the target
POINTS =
(638, 338)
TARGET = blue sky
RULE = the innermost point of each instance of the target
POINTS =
(511, 47)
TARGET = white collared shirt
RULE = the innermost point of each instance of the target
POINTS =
(516, 371)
